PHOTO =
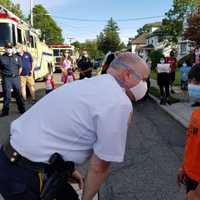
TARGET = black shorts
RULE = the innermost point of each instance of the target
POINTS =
(172, 77)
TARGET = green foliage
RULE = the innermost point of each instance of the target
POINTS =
(109, 39)
(172, 25)
(43, 21)
(91, 46)
(147, 27)
(155, 58)
(15, 8)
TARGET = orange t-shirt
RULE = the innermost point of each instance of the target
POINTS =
(191, 163)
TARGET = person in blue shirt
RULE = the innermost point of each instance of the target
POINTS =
(184, 70)
(26, 75)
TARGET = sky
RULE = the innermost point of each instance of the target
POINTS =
(99, 12)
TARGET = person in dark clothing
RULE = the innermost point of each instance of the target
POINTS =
(10, 68)
(85, 66)
(109, 59)
(163, 79)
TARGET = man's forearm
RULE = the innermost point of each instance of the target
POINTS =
(95, 177)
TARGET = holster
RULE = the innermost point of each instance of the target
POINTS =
(56, 185)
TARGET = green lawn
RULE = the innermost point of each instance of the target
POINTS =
(156, 93)
(177, 80)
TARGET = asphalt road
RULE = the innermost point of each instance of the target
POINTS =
(154, 153)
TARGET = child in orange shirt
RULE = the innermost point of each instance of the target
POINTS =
(189, 173)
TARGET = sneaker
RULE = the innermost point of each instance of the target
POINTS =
(196, 104)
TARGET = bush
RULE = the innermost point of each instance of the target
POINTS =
(155, 58)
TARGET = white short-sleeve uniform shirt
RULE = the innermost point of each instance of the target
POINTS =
(75, 120)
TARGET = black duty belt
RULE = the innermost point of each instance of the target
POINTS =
(10, 75)
(15, 157)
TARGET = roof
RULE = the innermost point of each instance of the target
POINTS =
(141, 39)
(150, 46)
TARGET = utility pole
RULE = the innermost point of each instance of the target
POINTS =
(70, 39)
(31, 12)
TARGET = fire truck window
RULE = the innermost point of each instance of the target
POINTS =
(13, 34)
(19, 36)
(56, 52)
(35, 43)
(31, 41)
(6, 33)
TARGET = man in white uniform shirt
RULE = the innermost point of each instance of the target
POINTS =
(85, 120)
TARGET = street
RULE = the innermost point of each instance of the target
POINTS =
(154, 154)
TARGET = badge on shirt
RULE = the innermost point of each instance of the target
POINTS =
(26, 57)
(16, 59)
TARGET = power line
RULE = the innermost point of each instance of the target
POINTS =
(105, 20)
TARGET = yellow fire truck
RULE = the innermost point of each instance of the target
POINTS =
(14, 30)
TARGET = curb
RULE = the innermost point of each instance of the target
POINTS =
(172, 114)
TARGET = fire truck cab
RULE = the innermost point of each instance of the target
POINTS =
(15, 30)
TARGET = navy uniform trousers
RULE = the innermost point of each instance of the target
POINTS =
(9, 83)
(20, 183)
(16, 182)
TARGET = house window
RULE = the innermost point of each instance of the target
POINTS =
(19, 36)
(183, 48)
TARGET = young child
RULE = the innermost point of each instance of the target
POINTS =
(189, 173)
(50, 83)
(185, 69)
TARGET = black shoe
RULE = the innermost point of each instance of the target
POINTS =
(162, 102)
(169, 102)
(4, 114)
(33, 101)
(22, 111)
(196, 104)
(172, 91)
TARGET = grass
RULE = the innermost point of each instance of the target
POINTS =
(177, 79)
(156, 92)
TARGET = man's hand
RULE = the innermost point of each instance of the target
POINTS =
(77, 177)
(194, 195)
(181, 177)
(96, 175)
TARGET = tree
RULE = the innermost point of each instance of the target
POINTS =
(108, 39)
(43, 21)
(193, 31)
(155, 58)
(172, 25)
(89, 45)
(15, 8)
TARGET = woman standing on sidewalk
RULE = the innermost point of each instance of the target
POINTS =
(163, 80)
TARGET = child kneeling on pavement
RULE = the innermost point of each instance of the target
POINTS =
(189, 173)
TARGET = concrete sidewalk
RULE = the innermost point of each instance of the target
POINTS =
(180, 111)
